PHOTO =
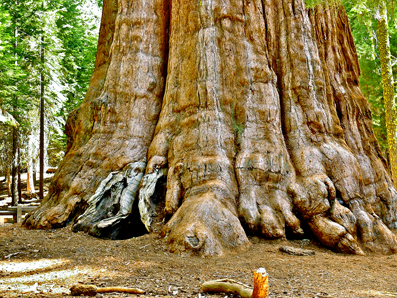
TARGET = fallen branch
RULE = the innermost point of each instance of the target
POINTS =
(90, 290)
(11, 255)
(230, 286)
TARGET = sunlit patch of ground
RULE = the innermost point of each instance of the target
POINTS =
(46, 282)
(44, 276)
(377, 293)
(23, 267)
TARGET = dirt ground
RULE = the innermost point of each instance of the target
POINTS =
(46, 263)
(57, 259)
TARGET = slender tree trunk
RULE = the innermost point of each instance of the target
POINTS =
(46, 144)
(42, 112)
(14, 160)
(29, 167)
(207, 120)
(19, 176)
(388, 87)
(29, 182)
(14, 168)
(8, 181)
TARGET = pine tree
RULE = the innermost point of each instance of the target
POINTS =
(388, 85)
(38, 32)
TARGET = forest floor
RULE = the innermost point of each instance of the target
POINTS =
(46, 263)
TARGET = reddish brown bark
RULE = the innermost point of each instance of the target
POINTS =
(252, 113)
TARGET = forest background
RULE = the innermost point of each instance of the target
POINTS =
(47, 55)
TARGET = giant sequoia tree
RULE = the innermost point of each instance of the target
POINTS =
(213, 119)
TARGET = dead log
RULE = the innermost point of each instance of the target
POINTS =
(229, 286)
(91, 290)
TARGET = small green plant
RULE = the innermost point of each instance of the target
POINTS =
(314, 3)
(237, 127)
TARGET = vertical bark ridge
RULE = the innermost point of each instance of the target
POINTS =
(329, 176)
(202, 150)
(121, 113)
(310, 128)
(378, 198)
(263, 167)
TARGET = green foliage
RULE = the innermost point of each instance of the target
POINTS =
(237, 126)
(314, 3)
(364, 28)
(359, 6)
(67, 31)
(9, 70)
(77, 32)
(362, 16)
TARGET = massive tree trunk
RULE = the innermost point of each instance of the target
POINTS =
(217, 119)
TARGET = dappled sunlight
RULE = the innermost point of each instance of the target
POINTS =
(23, 277)
(23, 267)
(374, 293)
(46, 281)
(144, 264)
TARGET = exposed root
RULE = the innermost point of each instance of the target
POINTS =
(227, 286)
(215, 229)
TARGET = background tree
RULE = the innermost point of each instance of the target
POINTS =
(13, 100)
(388, 85)
(32, 21)
(364, 29)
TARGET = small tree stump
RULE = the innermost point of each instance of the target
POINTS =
(261, 286)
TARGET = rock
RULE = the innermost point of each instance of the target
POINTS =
(296, 251)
